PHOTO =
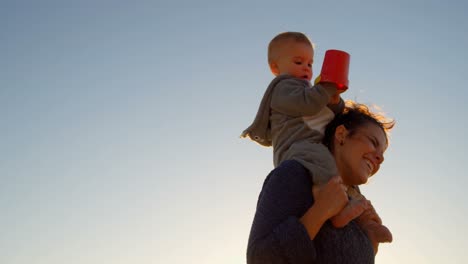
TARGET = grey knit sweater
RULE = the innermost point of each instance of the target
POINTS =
(277, 236)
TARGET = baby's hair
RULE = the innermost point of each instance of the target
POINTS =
(277, 43)
(354, 116)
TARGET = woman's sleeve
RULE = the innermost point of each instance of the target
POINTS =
(276, 235)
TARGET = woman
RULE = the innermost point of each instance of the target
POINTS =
(290, 223)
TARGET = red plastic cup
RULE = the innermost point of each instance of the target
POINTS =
(335, 68)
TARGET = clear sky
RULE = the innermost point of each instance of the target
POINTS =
(120, 124)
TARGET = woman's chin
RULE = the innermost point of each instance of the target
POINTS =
(363, 179)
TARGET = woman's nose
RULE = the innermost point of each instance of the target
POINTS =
(379, 158)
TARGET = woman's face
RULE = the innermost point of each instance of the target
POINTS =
(359, 155)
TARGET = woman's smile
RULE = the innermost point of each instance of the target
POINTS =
(370, 166)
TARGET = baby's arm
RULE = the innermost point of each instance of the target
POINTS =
(336, 104)
(293, 97)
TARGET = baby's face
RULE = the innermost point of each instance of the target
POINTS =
(296, 59)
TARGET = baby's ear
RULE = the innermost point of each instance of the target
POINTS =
(274, 68)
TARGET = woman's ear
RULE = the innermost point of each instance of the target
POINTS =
(340, 134)
(274, 68)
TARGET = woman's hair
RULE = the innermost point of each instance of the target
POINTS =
(354, 116)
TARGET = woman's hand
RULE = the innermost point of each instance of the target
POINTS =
(353, 209)
(330, 199)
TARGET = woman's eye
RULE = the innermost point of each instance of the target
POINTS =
(372, 141)
(298, 62)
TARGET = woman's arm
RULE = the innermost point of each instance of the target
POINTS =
(330, 199)
(287, 219)
(277, 236)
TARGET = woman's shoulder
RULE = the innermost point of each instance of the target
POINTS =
(290, 167)
(290, 174)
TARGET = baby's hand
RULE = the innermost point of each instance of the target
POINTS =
(334, 99)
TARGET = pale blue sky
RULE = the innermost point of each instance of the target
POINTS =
(120, 125)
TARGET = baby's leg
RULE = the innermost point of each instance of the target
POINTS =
(353, 209)
(376, 232)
